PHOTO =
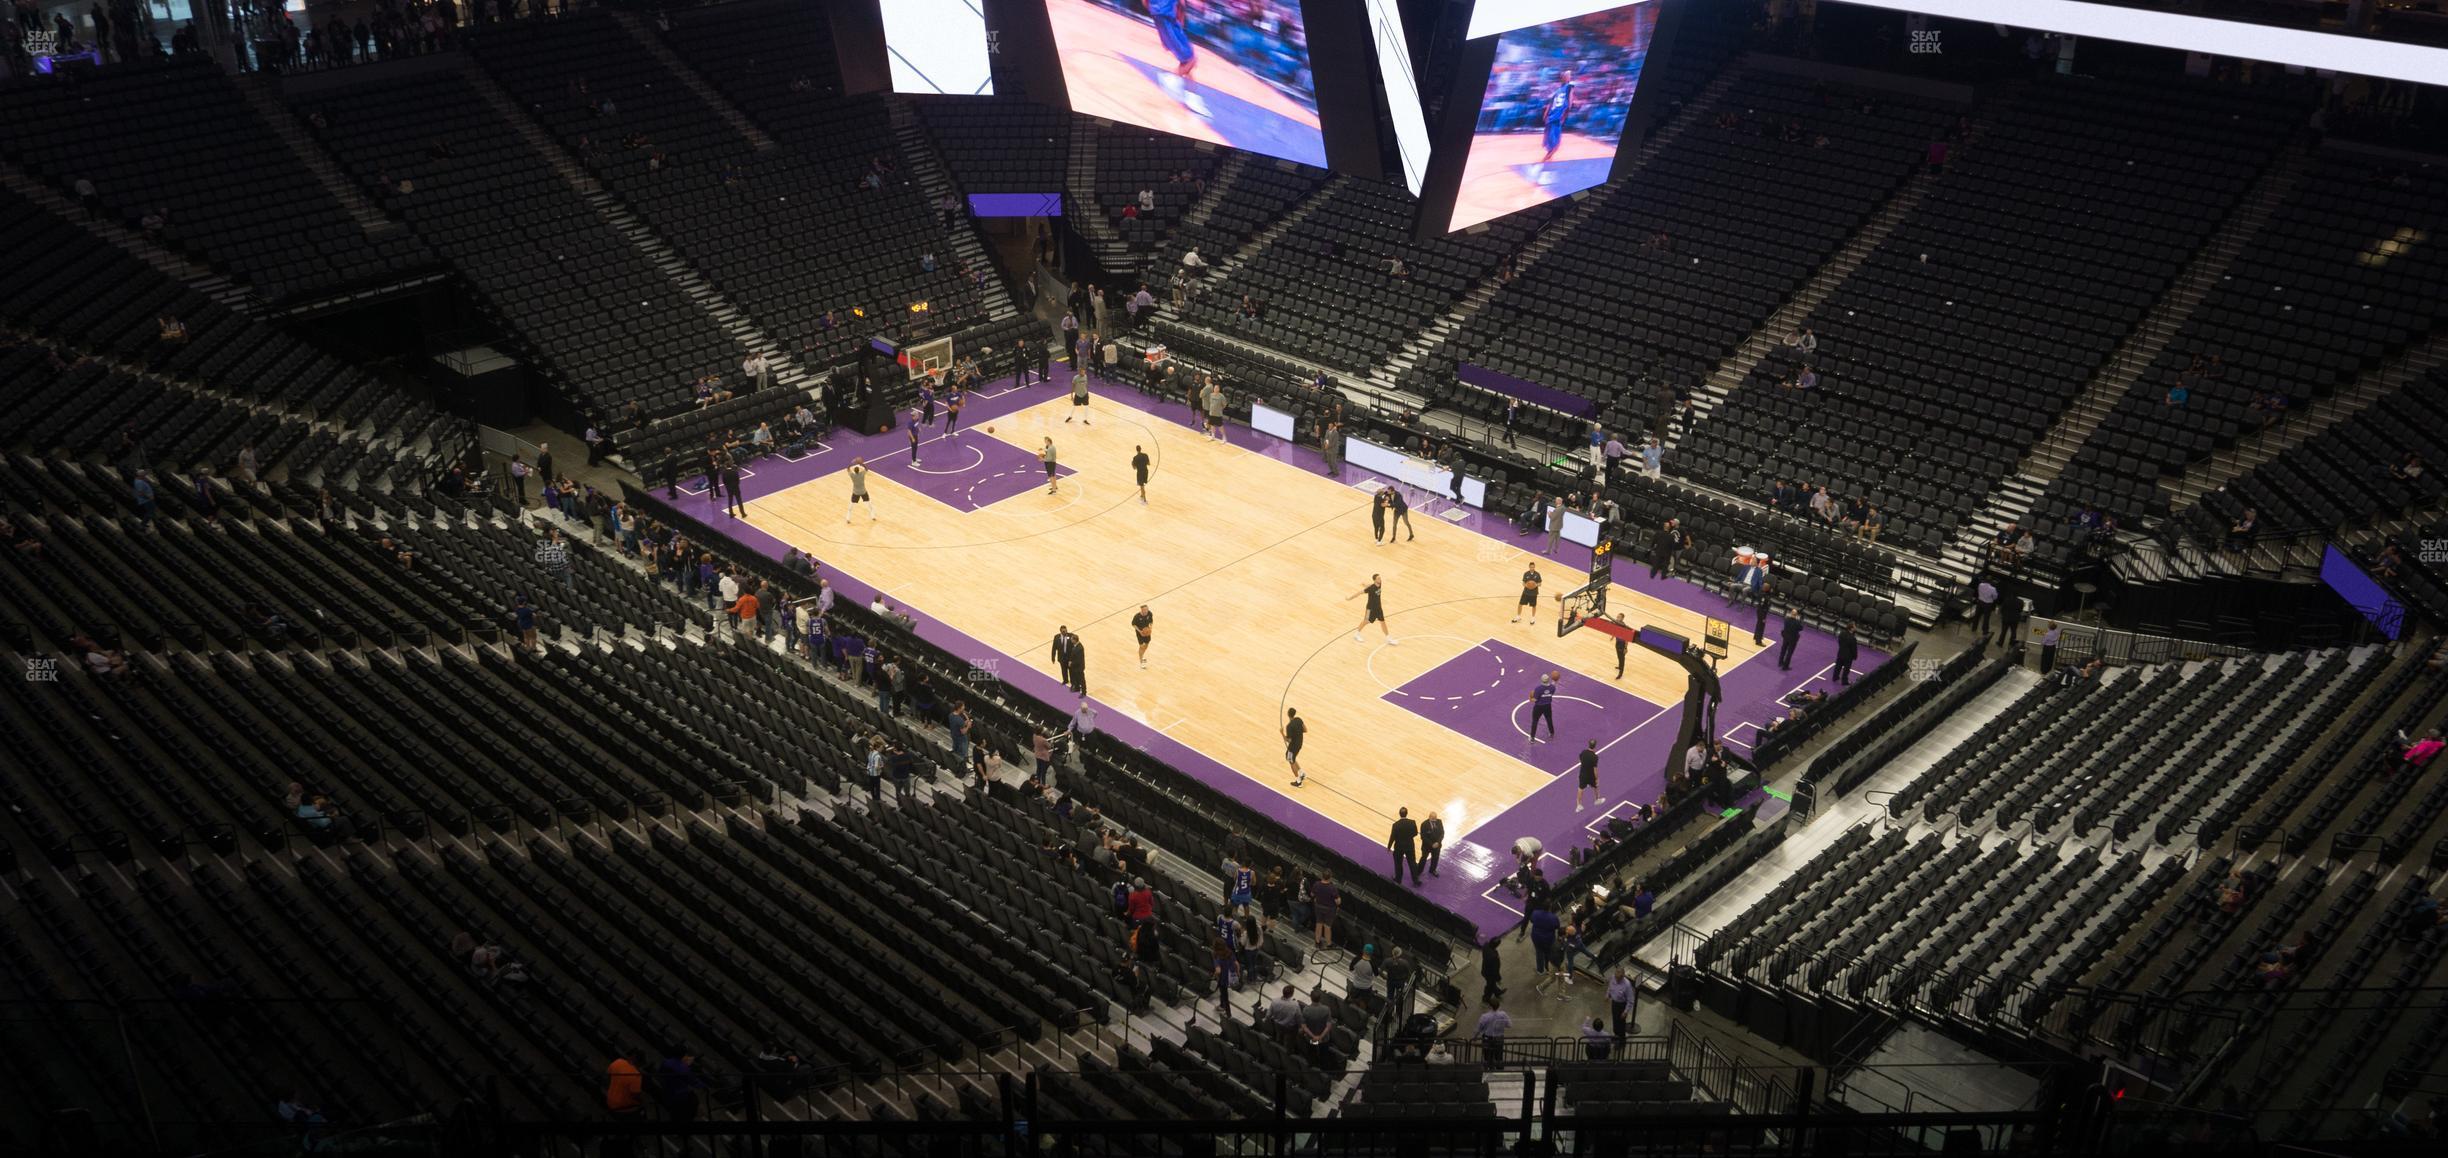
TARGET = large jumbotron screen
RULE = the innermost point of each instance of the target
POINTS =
(938, 46)
(1234, 72)
(1554, 111)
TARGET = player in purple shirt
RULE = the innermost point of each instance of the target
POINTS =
(1542, 705)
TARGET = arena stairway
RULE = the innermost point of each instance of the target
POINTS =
(926, 165)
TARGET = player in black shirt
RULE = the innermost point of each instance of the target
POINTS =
(1144, 623)
(1588, 782)
(1375, 590)
(1529, 595)
(1295, 730)
(1139, 465)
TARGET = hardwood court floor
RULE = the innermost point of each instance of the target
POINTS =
(1247, 562)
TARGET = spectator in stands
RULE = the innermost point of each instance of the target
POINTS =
(2271, 406)
(2233, 892)
(310, 810)
(1225, 969)
(2179, 393)
(1596, 1043)
(1823, 505)
(744, 610)
(1325, 904)
(2240, 532)
(1364, 970)
(99, 660)
(2419, 753)
(2408, 469)
(2424, 919)
(295, 1111)
(678, 1085)
(624, 1088)
(1984, 604)
(523, 616)
(1284, 1015)
(1541, 927)
(170, 329)
(2388, 562)
(1139, 903)
(1316, 1025)
(148, 504)
(1806, 342)
(1491, 1029)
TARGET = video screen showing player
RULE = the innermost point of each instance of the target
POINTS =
(1554, 111)
(1234, 72)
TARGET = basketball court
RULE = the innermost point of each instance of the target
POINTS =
(1250, 558)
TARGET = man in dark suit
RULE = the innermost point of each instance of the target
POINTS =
(1847, 649)
(1791, 633)
(1622, 646)
(732, 503)
(1662, 548)
(1404, 844)
(1071, 660)
(1759, 620)
(1432, 843)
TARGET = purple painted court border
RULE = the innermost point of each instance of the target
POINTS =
(1470, 865)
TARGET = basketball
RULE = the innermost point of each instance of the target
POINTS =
(990, 430)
